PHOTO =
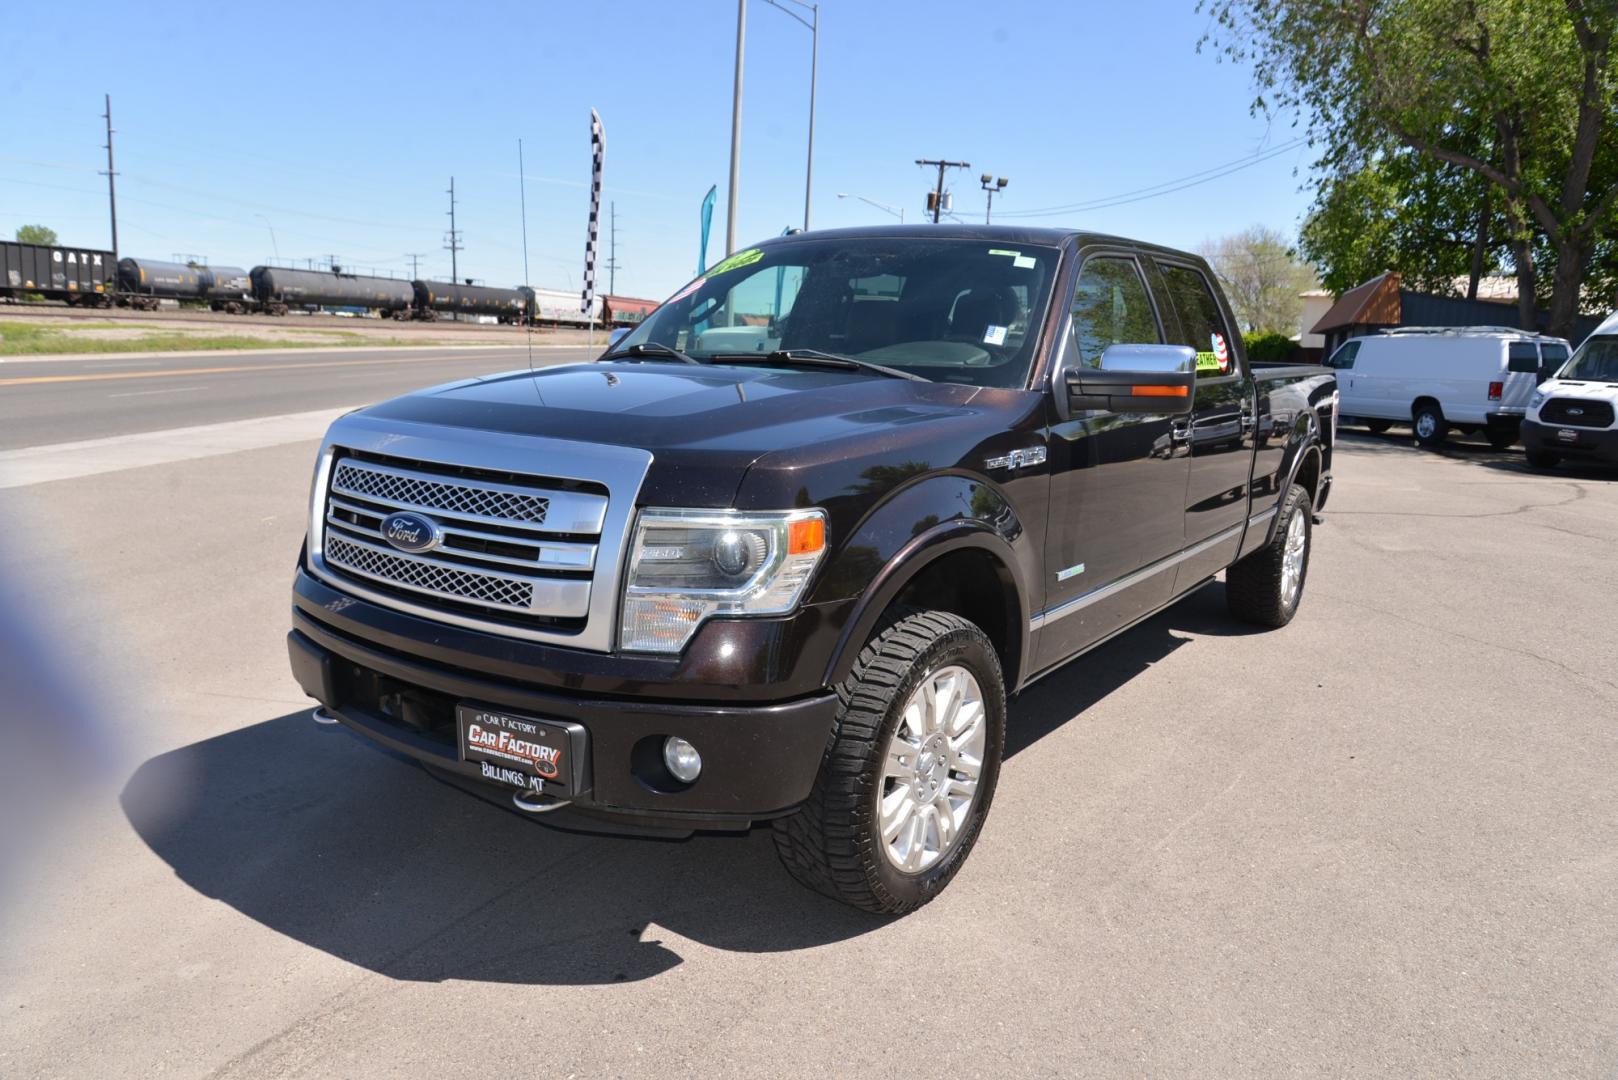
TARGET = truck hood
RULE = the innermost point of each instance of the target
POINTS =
(704, 425)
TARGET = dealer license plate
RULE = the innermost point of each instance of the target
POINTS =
(520, 751)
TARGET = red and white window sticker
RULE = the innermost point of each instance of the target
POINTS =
(1221, 352)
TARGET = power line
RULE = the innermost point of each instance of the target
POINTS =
(1167, 187)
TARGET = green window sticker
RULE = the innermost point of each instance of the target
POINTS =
(1207, 361)
(737, 261)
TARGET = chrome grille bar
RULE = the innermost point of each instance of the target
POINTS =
(547, 554)
(560, 597)
(482, 501)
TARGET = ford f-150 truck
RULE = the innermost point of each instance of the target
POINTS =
(783, 552)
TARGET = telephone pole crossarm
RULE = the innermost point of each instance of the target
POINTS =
(937, 199)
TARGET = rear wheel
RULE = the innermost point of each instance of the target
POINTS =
(1431, 427)
(1265, 587)
(1543, 459)
(909, 771)
(1377, 427)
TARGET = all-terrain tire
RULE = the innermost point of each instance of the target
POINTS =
(1256, 588)
(832, 844)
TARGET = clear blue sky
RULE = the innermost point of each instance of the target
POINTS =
(339, 124)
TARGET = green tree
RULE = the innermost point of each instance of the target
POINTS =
(1520, 93)
(1263, 278)
(36, 234)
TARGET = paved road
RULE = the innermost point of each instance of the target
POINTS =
(1380, 842)
(65, 399)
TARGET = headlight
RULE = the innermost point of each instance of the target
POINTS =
(688, 565)
(1535, 401)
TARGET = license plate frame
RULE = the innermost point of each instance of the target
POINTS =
(1567, 435)
(529, 753)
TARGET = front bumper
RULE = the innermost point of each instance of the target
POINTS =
(759, 759)
(1591, 444)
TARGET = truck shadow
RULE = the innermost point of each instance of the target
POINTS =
(321, 836)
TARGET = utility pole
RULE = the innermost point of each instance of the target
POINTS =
(612, 249)
(812, 24)
(937, 201)
(414, 257)
(992, 187)
(735, 130)
(112, 191)
(453, 240)
(522, 195)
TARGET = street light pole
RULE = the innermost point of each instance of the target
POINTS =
(991, 186)
(813, 25)
(735, 130)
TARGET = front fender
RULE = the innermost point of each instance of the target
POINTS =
(921, 523)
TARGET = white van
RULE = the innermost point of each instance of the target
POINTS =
(1572, 415)
(1468, 378)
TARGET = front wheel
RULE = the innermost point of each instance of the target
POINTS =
(909, 771)
(1265, 587)
(1543, 459)
(1501, 438)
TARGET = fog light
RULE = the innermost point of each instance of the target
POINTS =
(682, 759)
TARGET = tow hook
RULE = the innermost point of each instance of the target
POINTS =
(527, 807)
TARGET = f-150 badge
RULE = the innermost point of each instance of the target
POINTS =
(1034, 455)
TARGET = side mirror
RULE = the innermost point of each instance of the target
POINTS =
(617, 335)
(1157, 379)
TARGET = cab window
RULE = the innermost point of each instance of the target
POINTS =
(1202, 324)
(1344, 356)
(1111, 307)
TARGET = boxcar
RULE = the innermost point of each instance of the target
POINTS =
(77, 275)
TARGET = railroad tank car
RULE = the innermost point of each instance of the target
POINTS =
(279, 290)
(559, 306)
(228, 289)
(145, 281)
(508, 305)
(77, 275)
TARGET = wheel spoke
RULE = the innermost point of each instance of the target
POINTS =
(898, 810)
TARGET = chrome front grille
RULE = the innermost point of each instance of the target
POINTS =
(497, 591)
(518, 548)
(418, 492)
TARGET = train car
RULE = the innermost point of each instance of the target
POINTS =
(77, 275)
(625, 310)
(143, 282)
(432, 297)
(559, 307)
(280, 290)
(228, 289)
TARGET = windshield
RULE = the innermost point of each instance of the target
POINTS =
(1596, 361)
(949, 310)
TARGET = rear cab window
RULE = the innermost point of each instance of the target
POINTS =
(1202, 324)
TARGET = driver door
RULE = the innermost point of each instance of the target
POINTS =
(1117, 480)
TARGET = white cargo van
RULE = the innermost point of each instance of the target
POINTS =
(1574, 415)
(1435, 379)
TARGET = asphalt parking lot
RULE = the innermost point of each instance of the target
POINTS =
(1380, 842)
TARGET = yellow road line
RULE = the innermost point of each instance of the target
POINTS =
(34, 380)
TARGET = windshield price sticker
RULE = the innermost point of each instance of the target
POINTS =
(994, 335)
(738, 260)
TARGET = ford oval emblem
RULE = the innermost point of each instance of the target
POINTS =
(412, 532)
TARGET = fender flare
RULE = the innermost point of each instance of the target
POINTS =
(924, 549)
(1308, 443)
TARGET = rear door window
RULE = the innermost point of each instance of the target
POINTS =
(1201, 323)
(1523, 356)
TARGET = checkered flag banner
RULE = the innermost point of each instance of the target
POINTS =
(598, 154)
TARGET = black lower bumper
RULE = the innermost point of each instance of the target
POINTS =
(1592, 444)
(758, 761)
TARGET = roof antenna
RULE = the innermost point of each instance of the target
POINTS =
(528, 289)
